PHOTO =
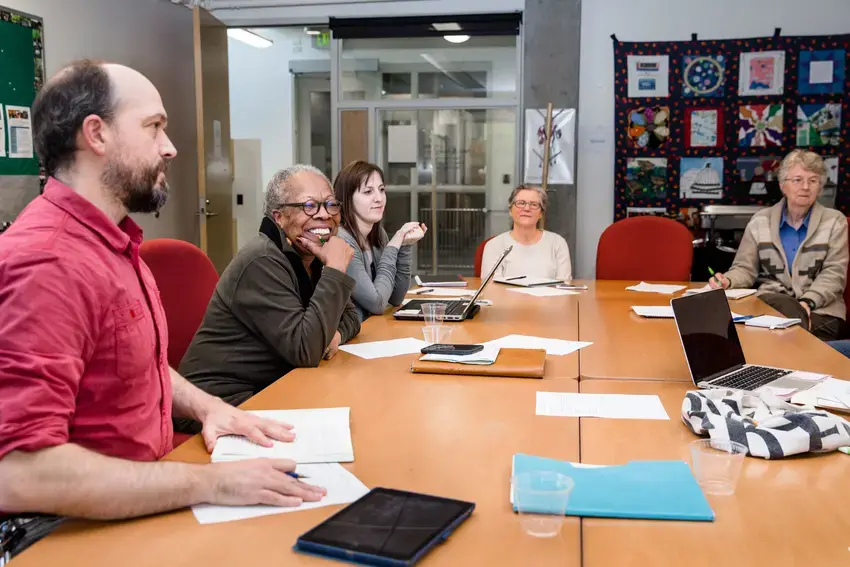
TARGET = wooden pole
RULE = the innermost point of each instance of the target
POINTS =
(434, 138)
(546, 151)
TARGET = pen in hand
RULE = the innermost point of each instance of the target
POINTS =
(296, 476)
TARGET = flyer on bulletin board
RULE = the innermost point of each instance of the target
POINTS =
(2, 133)
(19, 125)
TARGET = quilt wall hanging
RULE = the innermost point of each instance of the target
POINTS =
(708, 121)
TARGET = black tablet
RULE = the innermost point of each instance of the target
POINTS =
(386, 527)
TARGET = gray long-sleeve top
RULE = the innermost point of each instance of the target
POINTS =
(392, 275)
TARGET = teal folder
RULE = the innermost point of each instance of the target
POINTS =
(654, 490)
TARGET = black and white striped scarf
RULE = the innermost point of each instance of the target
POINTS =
(769, 427)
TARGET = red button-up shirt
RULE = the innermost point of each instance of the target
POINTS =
(83, 338)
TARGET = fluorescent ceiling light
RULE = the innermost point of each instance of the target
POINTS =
(248, 37)
(456, 38)
(308, 31)
(448, 26)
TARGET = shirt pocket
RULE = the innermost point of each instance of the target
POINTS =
(134, 340)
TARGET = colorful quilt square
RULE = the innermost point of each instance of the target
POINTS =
(646, 178)
(830, 188)
(821, 72)
(649, 75)
(819, 124)
(761, 73)
(701, 178)
(704, 127)
(703, 75)
(758, 176)
(649, 127)
(760, 125)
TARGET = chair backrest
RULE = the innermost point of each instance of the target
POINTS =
(645, 248)
(847, 287)
(479, 256)
(186, 279)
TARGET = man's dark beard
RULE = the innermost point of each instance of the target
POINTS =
(136, 189)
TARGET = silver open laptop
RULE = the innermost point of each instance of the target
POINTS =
(456, 309)
(713, 351)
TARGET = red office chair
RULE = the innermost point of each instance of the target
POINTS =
(186, 279)
(645, 248)
(479, 255)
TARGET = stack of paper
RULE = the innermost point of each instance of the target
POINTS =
(556, 347)
(439, 281)
(342, 486)
(543, 291)
(664, 312)
(730, 293)
(383, 349)
(656, 288)
(831, 393)
(483, 357)
(443, 292)
(321, 436)
(616, 406)
(772, 322)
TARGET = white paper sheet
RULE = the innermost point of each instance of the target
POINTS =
(831, 393)
(730, 293)
(342, 486)
(442, 292)
(542, 291)
(384, 349)
(556, 347)
(321, 436)
(2, 132)
(771, 322)
(402, 144)
(19, 124)
(656, 288)
(616, 406)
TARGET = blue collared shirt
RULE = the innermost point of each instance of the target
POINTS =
(791, 237)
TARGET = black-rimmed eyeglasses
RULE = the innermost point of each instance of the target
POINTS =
(311, 207)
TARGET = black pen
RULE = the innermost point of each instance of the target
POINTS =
(419, 291)
(515, 278)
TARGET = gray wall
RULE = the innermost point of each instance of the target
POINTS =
(551, 74)
(152, 36)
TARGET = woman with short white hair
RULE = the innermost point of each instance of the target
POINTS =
(795, 252)
(537, 252)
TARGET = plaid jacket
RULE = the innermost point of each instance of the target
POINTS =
(819, 271)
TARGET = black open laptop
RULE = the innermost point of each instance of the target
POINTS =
(713, 351)
(456, 309)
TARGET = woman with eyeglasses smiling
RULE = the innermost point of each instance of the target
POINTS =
(284, 302)
(796, 251)
(381, 265)
(537, 252)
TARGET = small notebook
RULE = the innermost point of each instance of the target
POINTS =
(654, 490)
(486, 356)
(439, 280)
(527, 281)
(321, 436)
(511, 363)
(772, 322)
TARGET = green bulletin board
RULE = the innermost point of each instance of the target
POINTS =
(21, 75)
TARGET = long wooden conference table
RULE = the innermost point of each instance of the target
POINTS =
(455, 436)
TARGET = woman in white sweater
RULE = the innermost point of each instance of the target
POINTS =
(537, 252)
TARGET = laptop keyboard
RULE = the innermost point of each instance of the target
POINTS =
(750, 378)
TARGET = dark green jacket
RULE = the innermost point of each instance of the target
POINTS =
(266, 317)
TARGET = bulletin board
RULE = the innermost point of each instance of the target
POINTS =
(21, 76)
(707, 121)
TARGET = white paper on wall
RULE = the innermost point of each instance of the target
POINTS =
(402, 144)
(561, 146)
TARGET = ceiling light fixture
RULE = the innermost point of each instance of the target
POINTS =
(456, 38)
(309, 31)
(248, 37)
(446, 26)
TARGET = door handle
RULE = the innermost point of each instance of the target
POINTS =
(209, 214)
(204, 210)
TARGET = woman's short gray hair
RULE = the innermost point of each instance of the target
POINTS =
(544, 198)
(278, 189)
(810, 161)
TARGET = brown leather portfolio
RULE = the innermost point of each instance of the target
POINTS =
(511, 363)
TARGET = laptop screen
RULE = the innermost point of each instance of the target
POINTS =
(708, 334)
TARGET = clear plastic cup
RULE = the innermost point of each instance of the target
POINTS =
(717, 465)
(435, 313)
(436, 334)
(541, 500)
